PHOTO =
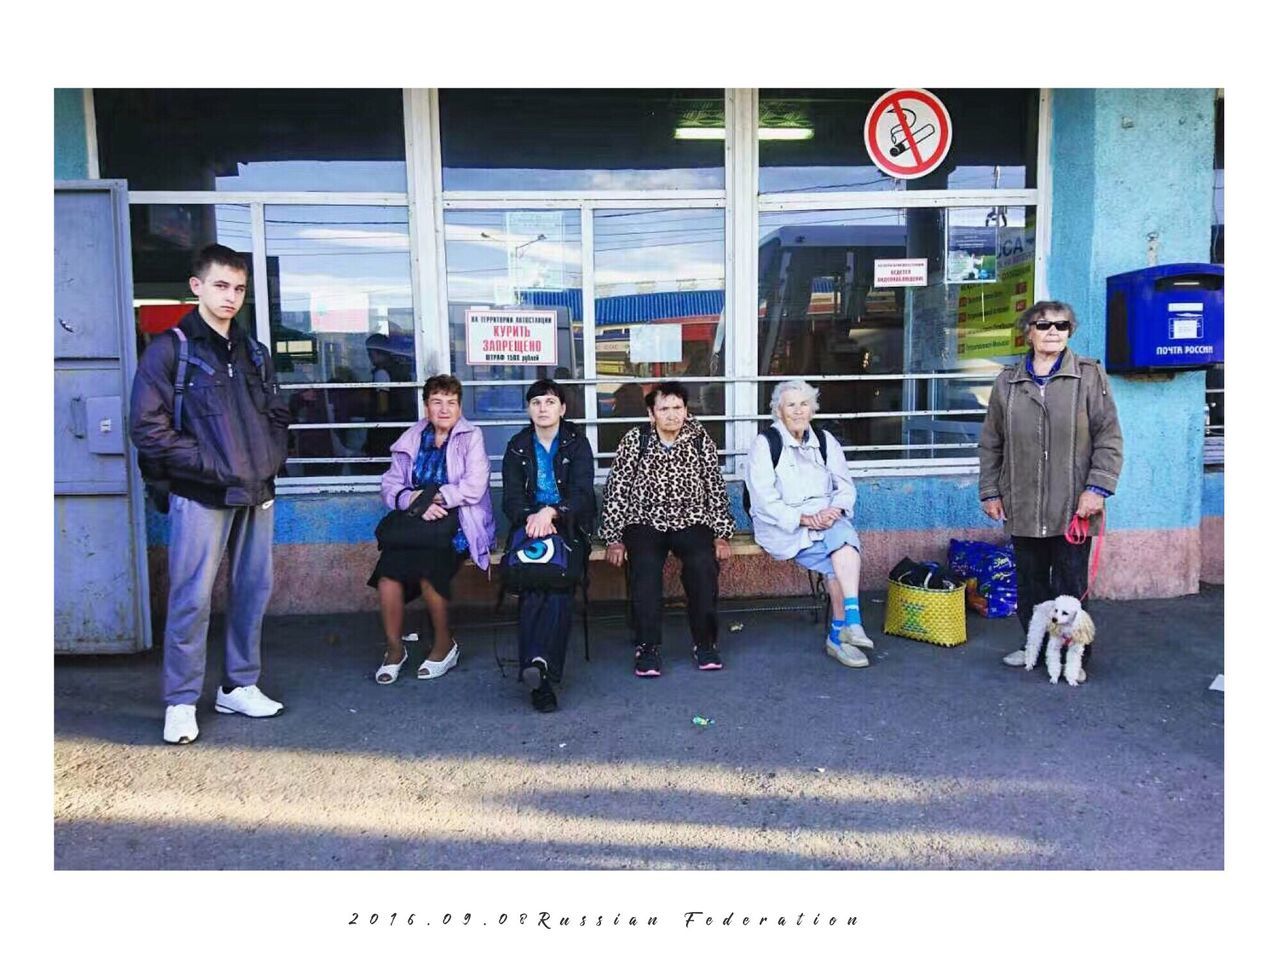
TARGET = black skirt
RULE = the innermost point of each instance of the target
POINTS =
(411, 565)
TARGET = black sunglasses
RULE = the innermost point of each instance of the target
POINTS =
(1056, 324)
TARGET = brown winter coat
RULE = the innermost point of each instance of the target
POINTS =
(1039, 453)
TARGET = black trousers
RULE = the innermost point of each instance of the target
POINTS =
(647, 551)
(545, 618)
(1047, 568)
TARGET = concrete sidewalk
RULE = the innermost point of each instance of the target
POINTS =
(932, 758)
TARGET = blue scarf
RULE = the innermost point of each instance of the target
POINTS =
(1031, 370)
(429, 467)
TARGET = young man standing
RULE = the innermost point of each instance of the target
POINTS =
(218, 438)
(665, 494)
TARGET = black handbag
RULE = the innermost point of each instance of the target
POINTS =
(406, 530)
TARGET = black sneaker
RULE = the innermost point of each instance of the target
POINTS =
(707, 657)
(648, 661)
(543, 698)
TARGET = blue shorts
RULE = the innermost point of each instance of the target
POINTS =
(817, 556)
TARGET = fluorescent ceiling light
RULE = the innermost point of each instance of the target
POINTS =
(699, 133)
(785, 133)
(764, 133)
(160, 302)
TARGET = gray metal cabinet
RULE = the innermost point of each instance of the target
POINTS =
(101, 597)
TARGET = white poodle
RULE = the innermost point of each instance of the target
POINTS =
(1067, 625)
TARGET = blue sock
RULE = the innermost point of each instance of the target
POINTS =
(833, 635)
(851, 612)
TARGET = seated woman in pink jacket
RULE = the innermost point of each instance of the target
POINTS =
(442, 456)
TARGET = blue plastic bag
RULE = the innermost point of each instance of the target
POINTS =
(991, 584)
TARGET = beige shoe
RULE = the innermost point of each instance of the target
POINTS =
(1016, 659)
(852, 635)
(849, 656)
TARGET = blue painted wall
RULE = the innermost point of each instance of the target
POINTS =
(70, 146)
(1128, 163)
(883, 504)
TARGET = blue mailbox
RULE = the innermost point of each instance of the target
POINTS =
(1165, 318)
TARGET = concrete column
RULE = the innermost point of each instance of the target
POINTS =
(1132, 168)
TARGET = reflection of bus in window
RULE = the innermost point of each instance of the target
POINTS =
(820, 313)
(658, 336)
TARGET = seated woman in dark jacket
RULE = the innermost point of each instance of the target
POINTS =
(547, 487)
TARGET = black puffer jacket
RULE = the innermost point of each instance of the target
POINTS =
(575, 473)
(234, 436)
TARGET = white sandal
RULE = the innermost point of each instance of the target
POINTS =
(389, 672)
(431, 669)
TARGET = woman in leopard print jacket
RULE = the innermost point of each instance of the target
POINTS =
(665, 494)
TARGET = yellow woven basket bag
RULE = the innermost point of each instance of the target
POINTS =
(934, 616)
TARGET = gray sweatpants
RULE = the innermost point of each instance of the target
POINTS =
(198, 537)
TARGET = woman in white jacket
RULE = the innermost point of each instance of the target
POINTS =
(802, 501)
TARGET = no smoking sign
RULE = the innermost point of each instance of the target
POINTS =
(908, 133)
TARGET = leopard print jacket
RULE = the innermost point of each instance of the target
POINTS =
(666, 489)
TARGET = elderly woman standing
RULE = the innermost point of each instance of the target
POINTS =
(802, 509)
(1050, 448)
(441, 458)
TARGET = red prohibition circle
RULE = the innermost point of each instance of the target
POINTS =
(923, 165)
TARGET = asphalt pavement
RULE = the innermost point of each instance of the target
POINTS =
(931, 758)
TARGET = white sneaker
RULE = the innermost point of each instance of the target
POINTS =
(1016, 659)
(180, 723)
(852, 635)
(248, 701)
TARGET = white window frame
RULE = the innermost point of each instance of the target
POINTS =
(257, 202)
(426, 201)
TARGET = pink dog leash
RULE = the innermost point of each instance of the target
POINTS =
(1077, 533)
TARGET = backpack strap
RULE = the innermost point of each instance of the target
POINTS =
(775, 444)
(180, 378)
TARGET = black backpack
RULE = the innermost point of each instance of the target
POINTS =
(153, 475)
(775, 453)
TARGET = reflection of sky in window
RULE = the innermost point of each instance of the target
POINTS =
(526, 178)
(232, 225)
(663, 247)
(378, 176)
(975, 216)
(476, 252)
(987, 178)
(821, 179)
(870, 178)
(333, 249)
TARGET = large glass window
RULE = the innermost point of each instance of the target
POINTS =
(341, 308)
(582, 139)
(925, 354)
(659, 301)
(508, 271)
(253, 139)
(813, 141)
